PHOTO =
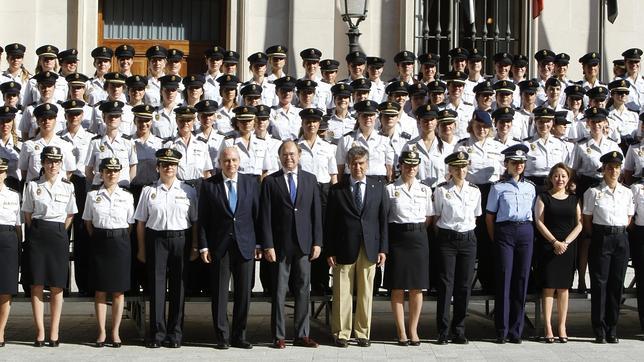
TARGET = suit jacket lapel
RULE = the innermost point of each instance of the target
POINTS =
(281, 182)
(221, 189)
(298, 190)
(349, 195)
(367, 195)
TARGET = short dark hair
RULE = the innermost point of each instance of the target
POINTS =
(357, 152)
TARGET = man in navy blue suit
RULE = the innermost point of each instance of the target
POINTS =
(228, 210)
(291, 235)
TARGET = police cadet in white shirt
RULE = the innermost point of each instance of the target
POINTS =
(157, 59)
(361, 88)
(195, 164)
(10, 145)
(634, 159)
(214, 58)
(397, 92)
(381, 154)
(277, 57)
(305, 95)
(608, 209)
(77, 84)
(318, 157)
(250, 95)
(455, 83)
(504, 124)
(329, 71)
(417, 98)
(10, 237)
(47, 56)
(375, 66)
(457, 204)
(626, 119)
(109, 214)
(258, 69)
(486, 166)
(430, 148)
(164, 124)
(112, 144)
(80, 140)
(206, 111)
(262, 123)
(115, 86)
(252, 150)
(389, 113)
(559, 128)
(228, 85)
(341, 121)
(544, 149)
(167, 233)
(49, 206)
(16, 71)
(632, 74)
(285, 119)
(409, 215)
(46, 82)
(29, 160)
(474, 67)
(636, 247)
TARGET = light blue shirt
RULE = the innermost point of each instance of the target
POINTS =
(511, 200)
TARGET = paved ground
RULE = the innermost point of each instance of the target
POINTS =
(78, 333)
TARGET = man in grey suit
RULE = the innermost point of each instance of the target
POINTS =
(291, 235)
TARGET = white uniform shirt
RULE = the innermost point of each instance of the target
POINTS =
(11, 151)
(285, 124)
(587, 154)
(268, 96)
(457, 210)
(224, 120)
(29, 159)
(29, 123)
(166, 209)
(380, 151)
(122, 148)
(432, 168)
(409, 205)
(634, 159)
(464, 111)
(146, 168)
(32, 94)
(319, 159)
(272, 161)
(397, 141)
(609, 208)
(543, 154)
(638, 199)
(407, 124)
(5, 76)
(636, 93)
(196, 157)
(468, 90)
(626, 121)
(164, 124)
(80, 144)
(115, 211)
(214, 141)
(253, 159)
(153, 92)
(9, 207)
(127, 126)
(50, 203)
(338, 127)
(486, 159)
(211, 87)
(95, 91)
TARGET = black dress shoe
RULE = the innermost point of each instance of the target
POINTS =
(221, 345)
(515, 340)
(341, 342)
(442, 340)
(460, 340)
(53, 343)
(39, 343)
(116, 344)
(153, 344)
(242, 344)
(612, 339)
(1, 344)
(499, 340)
(98, 344)
(414, 343)
(600, 340)
(403, 343)
(363, 342)
(171, 344)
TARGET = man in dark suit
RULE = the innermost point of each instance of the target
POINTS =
(291, 235)
(228, 210)
(356, 240)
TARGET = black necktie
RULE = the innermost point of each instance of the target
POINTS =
(357, 196)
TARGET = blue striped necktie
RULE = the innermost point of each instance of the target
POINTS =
(291, 187)
(232, 196)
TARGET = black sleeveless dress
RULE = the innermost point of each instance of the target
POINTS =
(560, 217)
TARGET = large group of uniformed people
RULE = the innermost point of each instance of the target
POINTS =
(171, 186)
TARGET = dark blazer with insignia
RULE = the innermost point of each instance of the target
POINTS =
(347, 228)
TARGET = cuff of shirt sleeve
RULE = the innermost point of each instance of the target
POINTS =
(203, 250)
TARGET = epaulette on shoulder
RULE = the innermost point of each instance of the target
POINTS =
(33, 104)
(15, 148)
(583, 139)
(167, 139)
(473, 185)
(61, 132)
(516, 139)
(526, 180)
(127, 137)
(612, 139)
(94, 187)
(468, 103)
(199, 138)
(19, 107)
(463, 140)
(526, 139)
(229, 135)
(59, 102)
(97, 137)
(66, 181)
(66, 139)
(633, 110)
(13, 190)
(125, 189)
(423, 182)
(441, 184)
(405, 135)
(277, 138)
(347, 134)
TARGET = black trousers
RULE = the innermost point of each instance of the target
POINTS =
(636, 239)
(485, 247)
(82, 246)
(607, 262)
(242, 272)
(166, 253)
(456, 258)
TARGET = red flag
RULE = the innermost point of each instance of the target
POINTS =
(537, 7)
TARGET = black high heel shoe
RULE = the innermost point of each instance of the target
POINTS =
(563, 339)
(53, 343)
(98, 344)
(116, 344)
(549, 340)
(38, 343)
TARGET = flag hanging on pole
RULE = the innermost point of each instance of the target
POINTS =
(537, 7)
(612, 10)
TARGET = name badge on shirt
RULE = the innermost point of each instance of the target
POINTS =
(61, 197)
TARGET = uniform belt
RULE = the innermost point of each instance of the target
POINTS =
(609, 230)
(7, 228)
(513, 222)
(110, 232)
(454, 235)
(408, 226)
(169, 233)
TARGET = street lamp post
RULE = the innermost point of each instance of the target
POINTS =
(353, 12)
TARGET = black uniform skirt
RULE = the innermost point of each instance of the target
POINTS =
(407, 264)
(111, 260)
(9, 255)
(48, 253)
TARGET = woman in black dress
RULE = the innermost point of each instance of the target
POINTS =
(108, 215)
(558, 220)
(410, 213)
(10, 234)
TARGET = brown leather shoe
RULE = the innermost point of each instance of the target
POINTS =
(279, 344)
(306, 342)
